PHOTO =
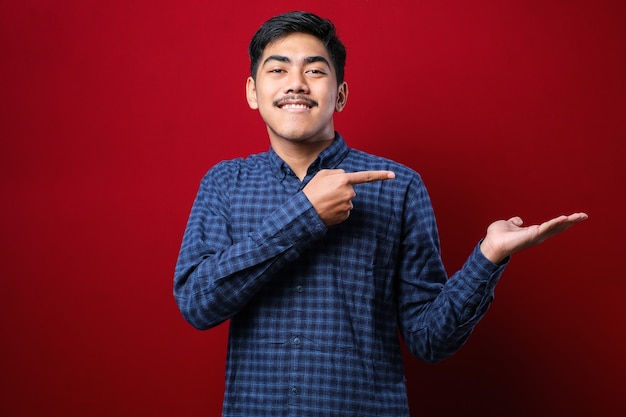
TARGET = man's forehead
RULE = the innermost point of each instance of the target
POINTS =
(296, 47)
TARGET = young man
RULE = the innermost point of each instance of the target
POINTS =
(319, 253)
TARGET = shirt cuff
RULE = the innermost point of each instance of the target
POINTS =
(294, 223)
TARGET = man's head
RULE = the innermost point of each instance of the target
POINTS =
(297, 78)
(298, 22)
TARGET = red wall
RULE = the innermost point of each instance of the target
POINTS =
(112, 111)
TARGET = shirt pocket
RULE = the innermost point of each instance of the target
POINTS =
(365, 264)
(365, 291)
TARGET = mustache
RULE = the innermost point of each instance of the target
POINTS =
(295, 97)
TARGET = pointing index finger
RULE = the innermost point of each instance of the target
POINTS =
(361, 177)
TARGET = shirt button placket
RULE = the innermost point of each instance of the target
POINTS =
(296, 344)
(294, 391)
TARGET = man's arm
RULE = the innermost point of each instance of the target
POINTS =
(215, 275)
(437, 314)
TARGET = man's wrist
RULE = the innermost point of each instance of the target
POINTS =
(491, 253)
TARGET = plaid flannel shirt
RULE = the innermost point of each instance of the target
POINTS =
(314, 311)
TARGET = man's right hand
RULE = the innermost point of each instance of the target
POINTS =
(331, 192)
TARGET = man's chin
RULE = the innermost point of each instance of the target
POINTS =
(303, 139)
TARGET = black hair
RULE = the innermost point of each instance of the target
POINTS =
(298, 22)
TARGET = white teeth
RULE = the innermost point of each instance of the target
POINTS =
(295, 106)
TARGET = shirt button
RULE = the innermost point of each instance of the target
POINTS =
(299, 288)
(296, 340)
(294, 391)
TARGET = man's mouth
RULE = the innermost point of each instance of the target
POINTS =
(294, 106)
(295, 102)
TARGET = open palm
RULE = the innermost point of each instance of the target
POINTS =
(505, 237)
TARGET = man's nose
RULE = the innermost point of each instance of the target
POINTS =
(296, 83)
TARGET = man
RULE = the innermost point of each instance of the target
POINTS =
(318, 253)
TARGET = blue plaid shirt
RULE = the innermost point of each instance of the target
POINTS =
(315, 311)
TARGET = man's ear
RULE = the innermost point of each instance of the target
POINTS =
(342, 97)
(251, 93)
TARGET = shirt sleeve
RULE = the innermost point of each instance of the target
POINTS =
(436, 313)
(215, 277)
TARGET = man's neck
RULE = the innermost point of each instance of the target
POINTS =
(299, 155)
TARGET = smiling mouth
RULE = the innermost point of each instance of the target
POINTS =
(295, 102)
(294, 106)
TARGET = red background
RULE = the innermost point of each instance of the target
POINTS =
(112, 111)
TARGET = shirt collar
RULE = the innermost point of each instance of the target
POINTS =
(329, 158)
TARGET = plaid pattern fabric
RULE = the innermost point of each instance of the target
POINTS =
(314, 311)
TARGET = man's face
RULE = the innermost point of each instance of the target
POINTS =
(296, 90)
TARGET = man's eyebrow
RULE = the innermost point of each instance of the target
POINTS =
(318, 58)
(279, 58)
(287, 60)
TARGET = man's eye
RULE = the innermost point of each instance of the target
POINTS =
(276, 70)
(316, 72)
